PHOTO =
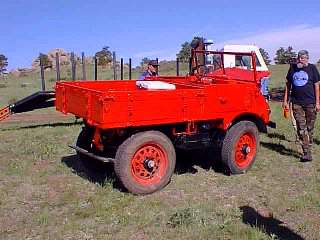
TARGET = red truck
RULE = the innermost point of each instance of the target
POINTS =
(138, 125)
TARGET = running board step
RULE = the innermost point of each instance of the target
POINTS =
(92, 155)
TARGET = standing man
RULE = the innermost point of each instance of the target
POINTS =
(303, 83)
(152, 70)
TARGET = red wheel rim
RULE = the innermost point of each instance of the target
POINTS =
(149, 164)
(245, 150)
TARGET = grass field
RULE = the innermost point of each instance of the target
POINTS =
(46, 194)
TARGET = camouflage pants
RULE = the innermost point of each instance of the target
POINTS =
(305, 116)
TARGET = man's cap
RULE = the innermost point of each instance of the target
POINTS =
(303, 53)
(153, 63)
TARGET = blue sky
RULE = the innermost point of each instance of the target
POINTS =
(153, 29)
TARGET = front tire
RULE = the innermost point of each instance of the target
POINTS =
(240, 147)
(145, 162)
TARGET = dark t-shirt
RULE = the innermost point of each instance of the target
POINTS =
(147, 74)
(302, 82)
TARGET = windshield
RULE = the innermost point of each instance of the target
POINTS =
(205, 62)
(245, 61)
(213, 62)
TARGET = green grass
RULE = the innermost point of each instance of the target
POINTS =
(44, 194)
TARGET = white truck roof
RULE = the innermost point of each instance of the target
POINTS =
(230, 60)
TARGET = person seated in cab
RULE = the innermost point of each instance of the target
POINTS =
(152, 70)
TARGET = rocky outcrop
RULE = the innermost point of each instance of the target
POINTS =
(64, 59)
(21, 72)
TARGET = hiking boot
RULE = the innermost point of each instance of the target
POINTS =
(307, 157)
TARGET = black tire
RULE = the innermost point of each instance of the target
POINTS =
(240, 147)
(145, 162)
(84, 141)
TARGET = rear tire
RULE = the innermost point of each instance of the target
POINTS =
(84, 141)
(240, 147)
(145, 162)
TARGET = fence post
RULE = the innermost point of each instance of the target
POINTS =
(178, 69)
(73, 67)
(95, 68)
(43, 84)
(121, 69)
(158, 66)
(58, 66)
(83, 60)
(114, 65)
(129, 68)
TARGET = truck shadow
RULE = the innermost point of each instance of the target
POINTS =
(277, 136)
(98, 173)
(268, 224)
(207, 159)
(282, 137)
(188, 161)
(102, 173)
(277, 147)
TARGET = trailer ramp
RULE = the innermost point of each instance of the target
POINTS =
(38, 100)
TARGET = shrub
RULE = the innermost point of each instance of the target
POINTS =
(181, 217)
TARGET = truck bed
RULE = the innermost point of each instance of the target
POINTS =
(118, 104)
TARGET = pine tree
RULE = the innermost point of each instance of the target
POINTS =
(185, 52)
(284, 56)
(265, 56)
(290, 54)
(45, 60)
(104, 56)
(279, 58)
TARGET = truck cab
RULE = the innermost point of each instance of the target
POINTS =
(244, 62)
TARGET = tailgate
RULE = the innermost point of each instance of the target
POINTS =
(82, 102)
